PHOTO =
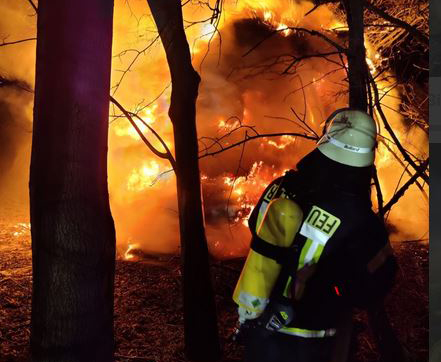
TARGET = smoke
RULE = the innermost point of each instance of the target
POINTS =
(17, 63)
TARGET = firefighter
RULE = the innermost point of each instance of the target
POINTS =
(317, 250)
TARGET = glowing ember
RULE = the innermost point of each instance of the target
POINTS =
(24, 228)
(284, 29)
(128, 254)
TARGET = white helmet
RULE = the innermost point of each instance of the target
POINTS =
(350, 138)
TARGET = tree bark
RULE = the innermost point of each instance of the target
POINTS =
(356, 55)
(73, 235)
(200, 324)
(387, 341)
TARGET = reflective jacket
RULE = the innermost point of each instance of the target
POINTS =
(344, 258)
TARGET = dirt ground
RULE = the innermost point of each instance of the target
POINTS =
(148, 308)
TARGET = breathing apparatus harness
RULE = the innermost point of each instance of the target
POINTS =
(279, 312)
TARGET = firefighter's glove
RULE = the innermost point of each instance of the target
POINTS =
(277, 315)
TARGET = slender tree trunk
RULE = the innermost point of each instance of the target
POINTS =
(73, 236)
(356, 55)
(200, 324)
(387, 341)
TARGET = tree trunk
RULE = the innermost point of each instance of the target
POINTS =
(200, 324)
(387, 341)
(73, 235)
(356, 55)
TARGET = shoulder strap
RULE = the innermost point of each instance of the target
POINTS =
(280, 254)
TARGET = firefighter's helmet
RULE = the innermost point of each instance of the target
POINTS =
(350, 138)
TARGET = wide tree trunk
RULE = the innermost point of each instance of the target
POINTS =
(200, 323)
(73, 235)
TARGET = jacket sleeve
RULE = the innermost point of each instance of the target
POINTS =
(369, 267)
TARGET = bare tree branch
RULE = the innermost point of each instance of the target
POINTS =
(33, 6)
(128, 69)
(404, 188)
(251, 138)
(316, 33)
(379, 193)
(411, 29)
(4, 43)
(17, 83)
(392, 133)
(166, 155)
(404, 167)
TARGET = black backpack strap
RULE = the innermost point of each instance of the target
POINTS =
(280, 254)
(289, 267)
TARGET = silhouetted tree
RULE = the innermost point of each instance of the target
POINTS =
(390, 348)
(200, 325)
(73, 235)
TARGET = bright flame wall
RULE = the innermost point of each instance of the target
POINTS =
(233, 85)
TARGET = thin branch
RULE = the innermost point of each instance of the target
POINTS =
(33, 5)
(411, 29)
(296, 29)
(166, 155)
(392, 133)
(234, 181)
(404, 166)
(16, 42)
(251, 138)
(312, 10)
(404, 188)
(309, 56)
(379, 193)
(128, 69)
(20, 84)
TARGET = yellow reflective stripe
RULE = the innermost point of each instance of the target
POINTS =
(308, 333)
(287, 291)
(305, 250)
(318, 253)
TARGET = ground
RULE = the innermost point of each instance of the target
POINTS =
(148, 308)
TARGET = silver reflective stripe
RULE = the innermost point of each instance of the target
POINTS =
(311, 253)
(308, 333)
(347, 147)
(313, 233)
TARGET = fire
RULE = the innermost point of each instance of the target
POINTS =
(236, 95)
(143, 177)
(283, 143)
(122, 129)
(23, 228)
(128, 254)
(227, 105)
(228, 125)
